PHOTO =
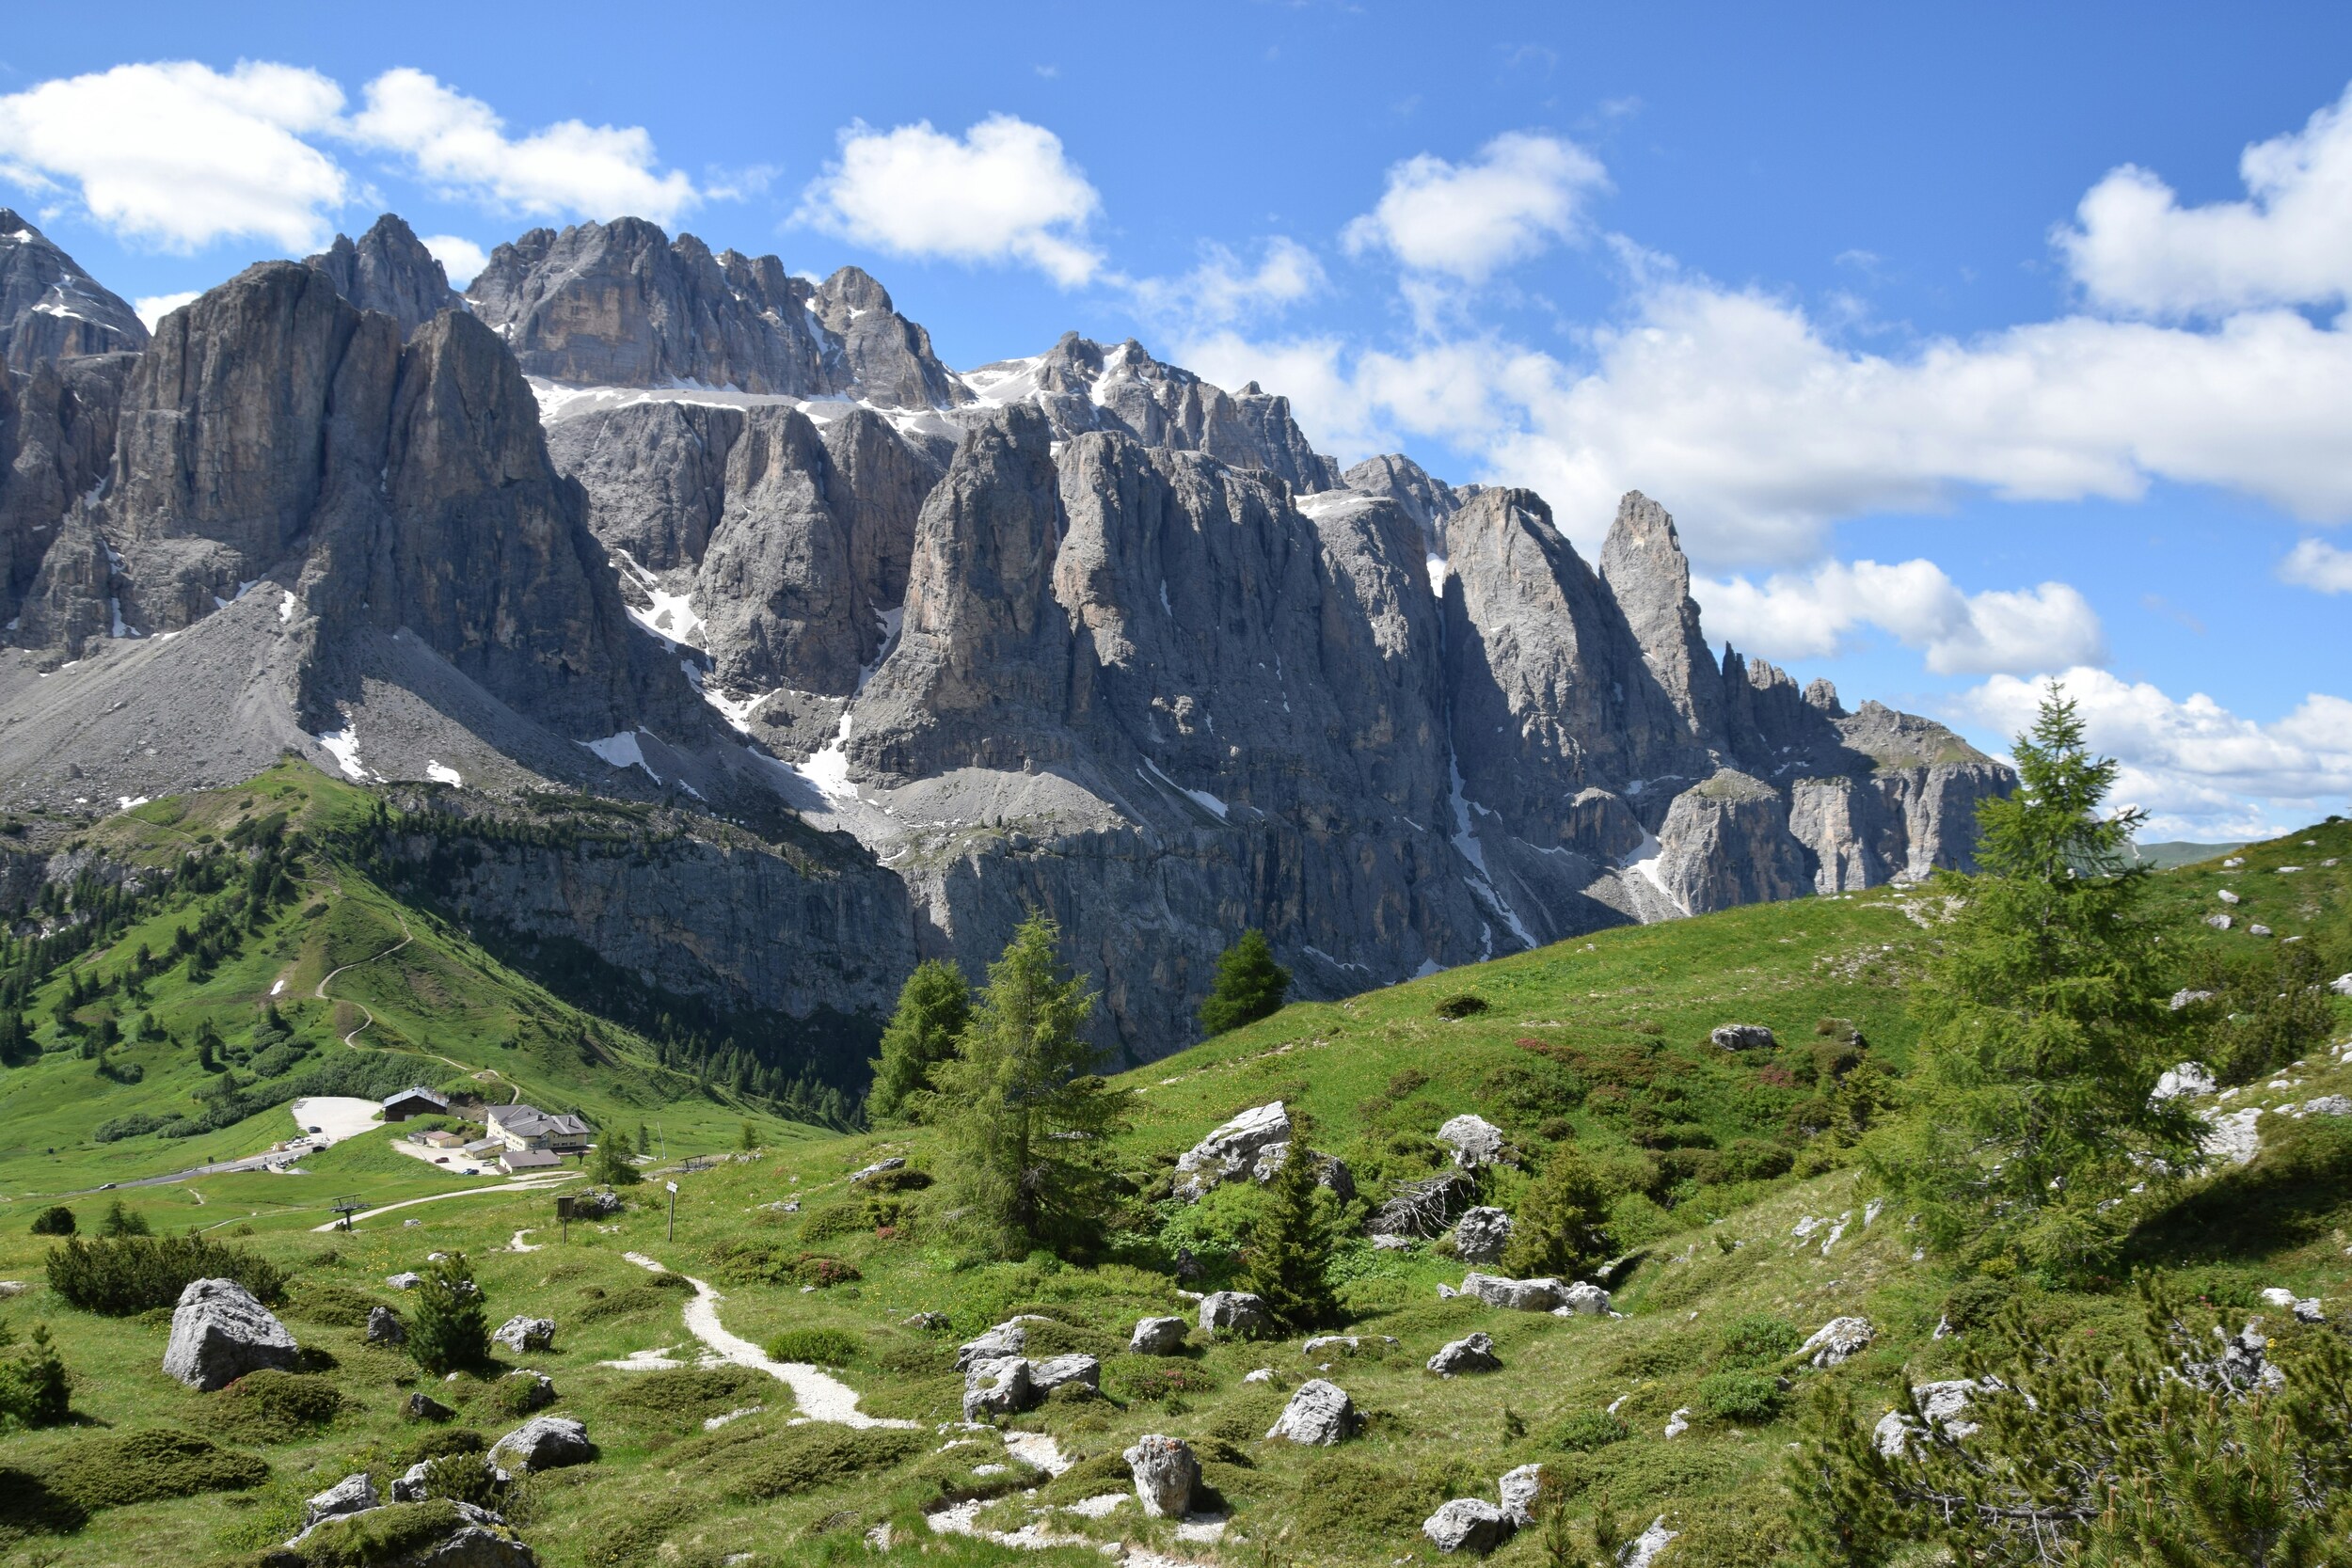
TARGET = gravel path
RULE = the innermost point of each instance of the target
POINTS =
(521, 1185)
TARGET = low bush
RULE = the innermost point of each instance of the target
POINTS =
(271, 1406)
(465, 1477)
(819, 1347)
(129, 1275)
(807, 1458)
(835, 1220)
(397, 1533)
(113, 1470)
(119, 1220)
(636, 1298)
(55, 1220)
(815, 1269)
(1465, 1006)
(1152, 1380)
(331, 1305)
(440, 1444)
(1588, 1430)
(517, 1396)
(1750, 1398)
(691, 1392)
(904, 1179)
(1974, 1303)
(1349, 1498)
(1757, 1340)
(29, 1502)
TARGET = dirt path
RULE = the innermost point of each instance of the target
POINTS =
(820, 1396)
(525, 1184)
(407, 936)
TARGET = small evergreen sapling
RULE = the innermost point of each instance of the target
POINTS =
(449, 1327)
(1250, 986)
(1290, 1250)
(1560, 1230)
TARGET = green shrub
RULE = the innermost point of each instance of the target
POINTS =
(332, 1306)
(835, 1220)
(55, 1220)
(691, 1392)
(516, 1395)
(636, 1298)
(271, 1406)
(1588, 1430)
(1757, 1339)
(465, 1476)
(129, 1275)
(1350, 1499)
(29, 1502)
(449, 1327)
(807, 1458)
(906, 1179)
(1152, 1380)
(33, 1385)
(1463, 1005)
(439, 1445)
(815, 1269)
(1974, 1303)
(115, 1470)
(1750, 1398)
(120, 1222)
(818, 1347)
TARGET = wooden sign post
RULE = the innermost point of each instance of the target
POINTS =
(563, 1212)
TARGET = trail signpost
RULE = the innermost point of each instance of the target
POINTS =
(673, 1186)
(563, 1212)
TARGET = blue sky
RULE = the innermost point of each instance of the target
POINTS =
(1968, 349)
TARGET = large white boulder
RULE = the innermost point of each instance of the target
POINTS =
(219, 1333)
(1839, 1339)
(1232, 1312)
(1319, 1415)
(1230, 1150)
(1474, 1140)
(1165, 1474)
(1468, 1525)
(543, 1443)
(1518, 1295)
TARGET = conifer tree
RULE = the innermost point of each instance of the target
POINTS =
(934, 1006)
(1560, 1228)
(1250, 986)
(1024, 1114)
(449, 1327)
(612, 1167)
(1290, 1250)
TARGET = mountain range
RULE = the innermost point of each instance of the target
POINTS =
(909, 650)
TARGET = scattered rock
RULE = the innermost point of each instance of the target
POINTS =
(408, 1281)
(997, 1388)
(425, 1407)
(543, 1443)
(1046, 1376)
(1837, 1340)
(1942, 1403)
(1521, 1489)
(354, 1493)
(596, 1203)
(1744, 1036)
(1262, 1374)
(2220, 922)
(2328, 1106)
(1232, 1312)
(538, 1392)
(1644, 1547)
(929, 1322)
(1006, 1338)
(2258, 929)
(2227, 896)
(1467, 1525)
(897, 1162)
(1679, 1422)
(1392, 1244)
(2187, 1079)
(1157, 1336)
(1480, 1234)
(2187, 998)
(1581, 1300)
(219, 1333)
(2235, 1136)
(384, 1327)
(1231, 1149)
(1475, 1141)
(2340, 984)
(408, 1487)
(1320, 1415)
(524, 1335)
(1165, 1474)
(1518, 1295)
(1475, 1354)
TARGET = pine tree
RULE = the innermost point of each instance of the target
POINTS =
(645, 1144)
(611, 1166)
(119, 1220)
(1025, 1114)
(1289, 1261)
(449, 1327)
(2046, 1025)
(934, 1006)
(1250, 986)
(748, 1139)
(1560, 1228)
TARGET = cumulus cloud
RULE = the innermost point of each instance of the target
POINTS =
(1223, 288)
(177, 155)
(2135, 247)
(2200, 770)
(459, 145)
(1814, 615)
(460, 258)
(1002, 192)
(2316, 563)
(1522, 192)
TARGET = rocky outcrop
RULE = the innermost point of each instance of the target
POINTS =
(57, 439)
(889, 357)
(1165, 1474)
(219, 1333)
(50, 309)
(388, 269)
(1319, 1415)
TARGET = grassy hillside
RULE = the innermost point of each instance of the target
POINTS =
(1721, 1160)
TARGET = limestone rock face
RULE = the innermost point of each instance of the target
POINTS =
(1727, 843)
(1837, 1340)
(50, 309)
(889, 357)
(219, 1333)
(388, 269)
(1647, 575)
(56, 440)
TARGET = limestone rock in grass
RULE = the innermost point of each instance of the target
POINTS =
(1474, 1140)
(1323, 1343)
(219, 1333)
(384, 1327)
(406, 1281)
(1475, 1354)
(1744, 1036)
(997, 1388)
(522, 1334)
(1520, 1490)
(1262, 1374)
(1581, 1300)
(354, 1493)
(408, 1487)
(1006, 1338)
(2220, 922)
(1644, 1547)
(929, 1322)
(1331, 1172)
(1944, 1404)
(2340, 984)
(1232, 1312)
(896, 1162)
(1679, 1422)
(1518, 1295)
(2187, 1079)
(1480, 1235)
(536, 1392)
(597, 1203)
(1839, 1339)
(543, 1443)
(443, 1533)
(2187, 998)
(425, 1407)
(1047, 1375)
(1165, 1474)
(1468, 1525)
(2227, 896)
(2328, 1105)
(1157, 1336)
(1231, 1149)
(1319, 1415)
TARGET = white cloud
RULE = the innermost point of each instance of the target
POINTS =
(460, 145)
(2316, 563)
(460, 258)
(1521, 193)
(1812, 616)
(2137, 249)
(1002, 192)
(151, 309)
(1223, 288)
(176, 155)
(2202, 770)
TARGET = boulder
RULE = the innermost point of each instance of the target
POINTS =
(1165, 1474)
(1320, 1415)
(1157, 1336)
(1474, 1140)
(1008, 1337)
(929, 1322)
(1475, 1354)
(2328, 1106)
(1679, 1422)
(1942, 1403)
(1232, 1312)
(1480, 1235)
(1581, 1300)
(384, 1327)
(1521, 1489)
(523, 1334)
(425, 1407)
(2187, 1079)
(1518, 1295)
(1084, 1370)
(408, 1281)
(1742, 1036)
(543, 1443)
(408, 1487)
(2340, 984)
(596, 1204)
(2187, 998)
(1231, 1149)
(1468, 1525)
(1643, 1548)
(354, 1493)
(1331, 1172)
(219, 1333)
(1000, 1387)
(537, 1391)
(1839, 1339)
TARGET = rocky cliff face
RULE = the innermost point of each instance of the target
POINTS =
(388, 269)
(50, 309)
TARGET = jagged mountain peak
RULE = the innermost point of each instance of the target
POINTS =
(50, 309)
(388, 269)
